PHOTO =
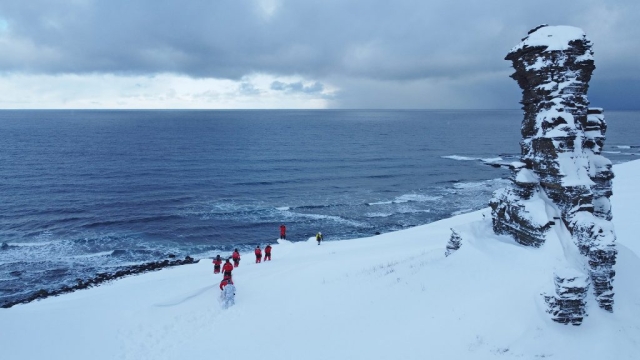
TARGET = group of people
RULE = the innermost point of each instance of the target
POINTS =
(267, 253)
(283, 236)
(226, 285)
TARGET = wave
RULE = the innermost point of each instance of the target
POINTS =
(627, 146)
(310, 207)
(460, 212)
(273, 182)
(139, 220)
(86, 256)
(492, 160)
(488, 184)
(467, 158)
(378, 214)
(333, 218)
(29, 244)
(406, 198)
(459, 158)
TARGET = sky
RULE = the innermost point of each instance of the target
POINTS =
(309, 54)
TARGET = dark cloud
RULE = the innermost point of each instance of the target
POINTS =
(297, 87)
(356, 42)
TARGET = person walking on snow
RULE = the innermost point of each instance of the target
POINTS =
(319, 237)
(227, 269)
(216, 264)
(228, 294)
(283, 232)
(267, 253)
(226, 281)
(236, 258)
(258, 254)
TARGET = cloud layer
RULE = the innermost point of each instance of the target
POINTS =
(369, 53)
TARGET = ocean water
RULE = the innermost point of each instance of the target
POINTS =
(83, 192)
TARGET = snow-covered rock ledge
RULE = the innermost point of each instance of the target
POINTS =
(392, 296)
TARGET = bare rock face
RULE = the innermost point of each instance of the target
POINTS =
(561, 165)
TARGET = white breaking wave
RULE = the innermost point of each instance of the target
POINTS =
(467, 158)
(475, 185)
(407, 198)
(85, 256)
(459, 158)
(460, 212)
(31, 244)
(333, 218)
(378, 214)
(492, 160)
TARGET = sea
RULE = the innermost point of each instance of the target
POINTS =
(84, 191)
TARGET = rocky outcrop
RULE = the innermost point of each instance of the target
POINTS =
(567, 305)
(561, 166)
(455, 241)
(101, 278)
(595, 238)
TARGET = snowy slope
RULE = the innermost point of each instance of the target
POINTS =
(393, 296)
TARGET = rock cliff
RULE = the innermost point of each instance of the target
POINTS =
(561, 166)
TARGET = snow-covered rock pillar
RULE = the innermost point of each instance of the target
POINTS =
(561, 159)
(553, 67)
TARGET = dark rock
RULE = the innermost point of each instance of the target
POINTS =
(171, 256)
(99, 279)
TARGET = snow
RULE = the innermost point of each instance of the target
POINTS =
(555, 38)
(389, 296)
(527, 176)
(574, 169)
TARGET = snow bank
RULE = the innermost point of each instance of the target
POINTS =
(394, 295)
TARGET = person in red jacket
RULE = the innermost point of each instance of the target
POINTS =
(216, 264)
(258, 254)
(226, 281)
(267, 253)
(236, 258)
(227, 269)
(283, 232)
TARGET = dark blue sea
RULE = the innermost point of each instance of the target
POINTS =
(83, 192)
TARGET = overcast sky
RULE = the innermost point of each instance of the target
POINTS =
(426, 54)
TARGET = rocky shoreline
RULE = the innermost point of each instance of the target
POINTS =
(102, 278)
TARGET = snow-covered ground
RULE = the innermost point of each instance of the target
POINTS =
(392, 296)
